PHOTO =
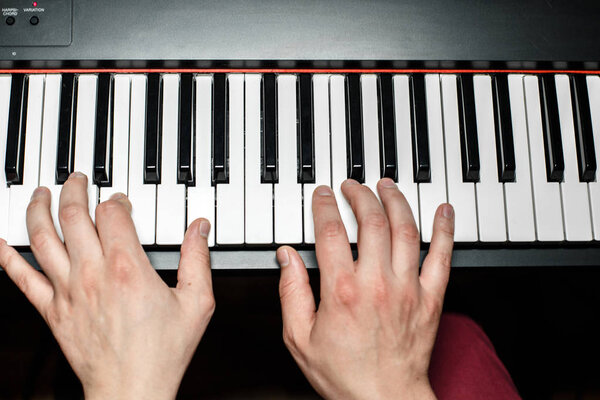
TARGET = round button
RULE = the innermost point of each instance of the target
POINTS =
(10, 20)
(34, 20)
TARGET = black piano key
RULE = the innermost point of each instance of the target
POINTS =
(153, 130)
(220, 116)
(269, 172)
(467, 121)
(17, 126)
(185, 145)
(306, 172)
(66, 128)
(584, 136)
(103, 127)
(387, 131)
(555, 164)
(420, 130)
(505, 147)
(354, 129)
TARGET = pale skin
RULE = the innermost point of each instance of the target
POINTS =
(374, 330)
(128, 335)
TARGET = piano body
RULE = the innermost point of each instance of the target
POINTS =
(237, 111)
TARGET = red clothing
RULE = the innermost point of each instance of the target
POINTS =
(464, 364)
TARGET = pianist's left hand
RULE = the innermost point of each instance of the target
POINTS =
(126, 334)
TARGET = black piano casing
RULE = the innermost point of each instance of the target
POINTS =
(332, 33)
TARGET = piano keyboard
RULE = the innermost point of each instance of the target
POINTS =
(514, 153)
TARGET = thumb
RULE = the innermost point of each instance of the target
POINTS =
(194, 275)
(297, 300)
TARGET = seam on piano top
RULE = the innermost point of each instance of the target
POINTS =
(293, 70)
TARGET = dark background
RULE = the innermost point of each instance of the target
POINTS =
(543, 322)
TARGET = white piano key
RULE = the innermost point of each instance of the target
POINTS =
(85, 135)
(460, 194)
(518, 194)
(339, 171)
(201, 198)
(21, 194)
(5, 83)
(490, 194)
(120, 138)
(259, 196)
(575, 197)
(406, 183)
(230, 196)
(49, 144)
(370, 119)
(141, 196)
(322, 155)
(546, 195)
(433, 193)
(287, 192)
(170, 195)
(593, 83)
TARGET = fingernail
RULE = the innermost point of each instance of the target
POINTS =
(324, 191)
(36, 192)
(118, 196)
(447, 211)
(77, 174)
(350, 182)
(283, 257)
(388, 183)
(204, 228)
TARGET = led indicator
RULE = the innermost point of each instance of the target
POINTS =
(35, 3)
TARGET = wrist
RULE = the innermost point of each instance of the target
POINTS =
(415, 390)
(137, 390)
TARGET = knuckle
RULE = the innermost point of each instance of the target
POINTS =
(23, 284)
(374, 221)
(345, 291)
(286, 289)
(198, 252)
(331, 229)
(381, 291)
(407, 232)
(433, 308)
(122, 265)
(207, 304)
(71, 213)
(88, 282)
(408, 303)
(40, 239)
(289, 338)
(443, 258)
(8, 257)
(53, 317)
(446, 228)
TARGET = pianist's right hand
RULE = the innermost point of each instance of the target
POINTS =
(374, 330)
(126, 334)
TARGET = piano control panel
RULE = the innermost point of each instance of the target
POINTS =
(35, 23)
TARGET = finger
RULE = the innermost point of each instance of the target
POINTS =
(34, 285)
(295, 293)
(436, 266)
(331, 242)
(47, 247)
(405, 240)
(81, 239)
(194, 274)
(115, 227)
(374, 242)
